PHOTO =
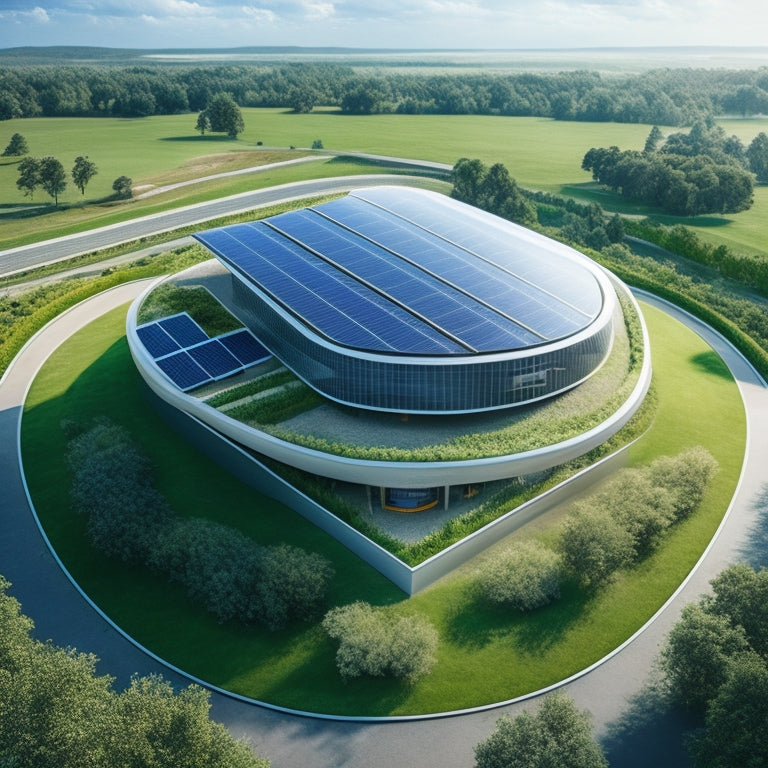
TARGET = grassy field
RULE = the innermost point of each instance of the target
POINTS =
(485, 654)
(540, 154)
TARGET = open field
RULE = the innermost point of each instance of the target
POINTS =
(485, 654)
(540, 154)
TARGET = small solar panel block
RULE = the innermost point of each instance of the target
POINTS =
(183, 329)
(155, 340)
(245, 347)
(213, 357)
(183, 371)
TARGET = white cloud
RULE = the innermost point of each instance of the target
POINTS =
(40, 15)
(318, 10)
(260, 15)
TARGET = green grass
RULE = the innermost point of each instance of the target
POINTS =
(540, 153)
(485, 655)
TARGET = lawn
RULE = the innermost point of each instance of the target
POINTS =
(485, 654)
(540, 153)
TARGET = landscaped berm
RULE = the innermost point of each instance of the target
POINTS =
(403, 350)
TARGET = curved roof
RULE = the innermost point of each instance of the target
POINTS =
(405, 271)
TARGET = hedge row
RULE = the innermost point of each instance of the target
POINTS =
(222, 568)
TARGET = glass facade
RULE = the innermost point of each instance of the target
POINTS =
(447, 384)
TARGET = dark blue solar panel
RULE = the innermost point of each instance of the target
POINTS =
(183, 329)
(183, 371)
(245, 347)
(155, 340)
(458, 314)
(213, 357)
(529, 256)
(401, 270)
(334, 304)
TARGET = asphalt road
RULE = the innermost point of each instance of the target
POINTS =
(47, 252)
(634, 727)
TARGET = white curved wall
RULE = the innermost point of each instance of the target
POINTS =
(387, 473)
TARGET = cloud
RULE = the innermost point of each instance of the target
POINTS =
(40, 15)
(260, 15)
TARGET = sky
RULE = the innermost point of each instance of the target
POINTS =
(420, 24)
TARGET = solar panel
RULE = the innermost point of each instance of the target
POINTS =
(183, 329)
(328, 301)
(245, 347)
(183, 371)
(457, 313)
(398, 270)
(214, 358)
(155, 340)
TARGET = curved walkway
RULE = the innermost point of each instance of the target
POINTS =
(613, 691)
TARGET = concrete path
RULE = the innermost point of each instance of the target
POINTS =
(633, 726)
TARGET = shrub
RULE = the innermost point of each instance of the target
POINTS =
(235, 578)
(225, 570)
(112, 485)
(375, 644)
(645, 509)
(595, 544)
(686, 477)
(525, 576)
(218, 565)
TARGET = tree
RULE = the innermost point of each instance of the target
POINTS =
(557, 735)
(53, 177)
(525, 575)
(55, 711)
(82, 172)
(696, 657)
(29, 176)
(203, 124)
(467, 178)
(122, 186)
(736, 727)
(653, 140)
(17, 146)
(757, 152)
(740, 594)
(225, 116)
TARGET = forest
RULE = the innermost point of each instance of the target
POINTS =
(671, 97)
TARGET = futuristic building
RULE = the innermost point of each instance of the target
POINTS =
(398, 299)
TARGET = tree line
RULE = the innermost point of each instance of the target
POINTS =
(688, 174)
(665, 97)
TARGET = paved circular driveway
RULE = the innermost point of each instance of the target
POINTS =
(613, 691)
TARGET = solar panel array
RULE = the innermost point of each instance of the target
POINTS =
(184, 352)
(397, 270)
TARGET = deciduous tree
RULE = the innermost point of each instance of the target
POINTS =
(696, 657)
(53, 177)
(122, 186)
(225, 116)
(82, 172)
(557, 735)
(29, 176)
